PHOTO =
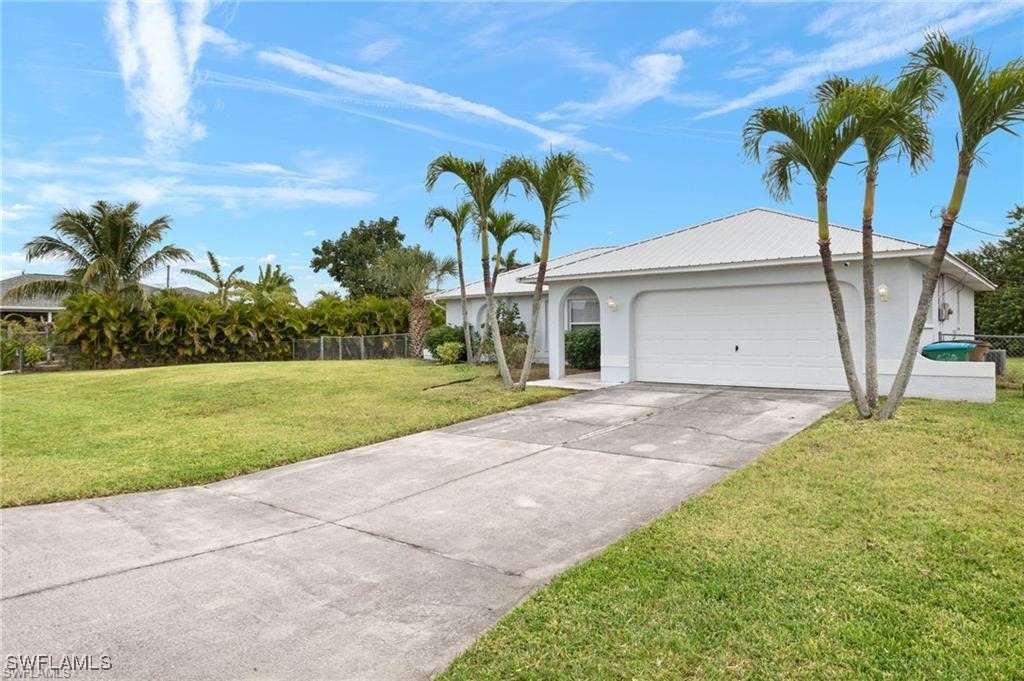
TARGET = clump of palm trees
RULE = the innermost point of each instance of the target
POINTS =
(554, 183)
(887, 121)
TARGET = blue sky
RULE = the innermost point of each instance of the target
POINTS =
(262, 128)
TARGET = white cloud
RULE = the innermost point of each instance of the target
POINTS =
(688, 39)
(268, 258)
(309, 232)
(869, 38)
(729, 16)
(379, 49)
(157, 55)
(16, 212)
(648, 77)
(397, 91)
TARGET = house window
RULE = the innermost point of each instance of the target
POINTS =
(583, 313)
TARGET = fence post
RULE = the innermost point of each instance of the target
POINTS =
(20, 352)
(362, 347)
(321, 347)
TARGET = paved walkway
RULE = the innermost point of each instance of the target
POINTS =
(380, 562)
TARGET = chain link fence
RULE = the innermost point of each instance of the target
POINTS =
(71, 358)
(352, 347)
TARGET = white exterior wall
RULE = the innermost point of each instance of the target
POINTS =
(477, 308)
(902, 277)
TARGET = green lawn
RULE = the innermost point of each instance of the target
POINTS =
(71, 435)
(854, 550)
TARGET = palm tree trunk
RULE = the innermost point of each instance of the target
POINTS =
(470, 357)
(836, 298)
(538, 294)
(870, 318)
(492, 318)
(419, 322)
(924, 302)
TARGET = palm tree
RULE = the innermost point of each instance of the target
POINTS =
(223, 286)
(107, 250)
(272, 285)
(814, 145)
(457, 219)
(910, 100)
(503, 226)
(482, 188)
(990, 100)
(554, 183)
(510, 261)
(411, 271)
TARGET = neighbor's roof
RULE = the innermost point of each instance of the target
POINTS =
(759, 236)
(47, 303)
(43, 303)
(508, 282)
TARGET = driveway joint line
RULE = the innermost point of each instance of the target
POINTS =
(173, 559)
(433, 552)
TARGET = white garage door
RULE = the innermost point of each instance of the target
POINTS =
(772, 336)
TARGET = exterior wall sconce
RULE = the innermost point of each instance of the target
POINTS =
(883, 293)
(613, 304)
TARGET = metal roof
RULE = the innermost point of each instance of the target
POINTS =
(754, 235)
(508, 282)
(42, 303)
(53, 304)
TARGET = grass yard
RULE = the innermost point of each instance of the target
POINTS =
(85, 434)
(854, 550)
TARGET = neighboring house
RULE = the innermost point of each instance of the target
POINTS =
(510, 289)
(741, 300)
(45, 308)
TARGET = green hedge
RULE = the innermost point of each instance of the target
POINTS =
(583, 348)
(100, 330)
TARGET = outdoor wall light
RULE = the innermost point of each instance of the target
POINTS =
(613, 305)
(883, 293)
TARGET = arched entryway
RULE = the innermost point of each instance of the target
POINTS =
(581, 320)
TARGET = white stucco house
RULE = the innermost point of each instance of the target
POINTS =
(741, 300)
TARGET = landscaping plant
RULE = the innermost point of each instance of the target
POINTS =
(583, 348)
(457, 219)
(451, 352)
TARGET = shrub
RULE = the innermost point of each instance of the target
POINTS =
(450, 353)
(583, 348)
(32, 354)
(443, 334)
(515, 351)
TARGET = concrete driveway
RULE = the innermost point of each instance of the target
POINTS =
(379, 562)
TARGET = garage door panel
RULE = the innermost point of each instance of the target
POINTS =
(785, 336)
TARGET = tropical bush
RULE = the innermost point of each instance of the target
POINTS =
(451, 352)
(331, 315)
(25, 336)
(102, 330)
(583, 348)
(445, 334)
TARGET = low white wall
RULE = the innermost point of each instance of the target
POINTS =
(958, 381)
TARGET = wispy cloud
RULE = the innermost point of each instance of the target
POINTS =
(379, 49)
(157, 52)
(647, 78)
(177, 183)
(397, 91)
(729, 16)
(868, 38)
(687, 39)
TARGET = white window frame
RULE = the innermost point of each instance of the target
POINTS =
(570, 324)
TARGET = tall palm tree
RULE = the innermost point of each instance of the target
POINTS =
(482, 188)
(222, 286)
(814, 145)
(990, 100)
(272, 285)
(554, 183)
(910, 101)
(457, 219)
(411, 271)
(106, 248)
(504, 226)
